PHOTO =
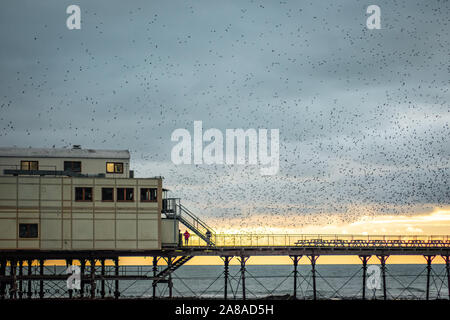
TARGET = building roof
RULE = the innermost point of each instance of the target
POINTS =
(63, 153)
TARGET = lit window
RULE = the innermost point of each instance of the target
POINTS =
(114, 167)
(83, 194)
(28, 230)
(149, 194)
(29, 165)
(125, 194)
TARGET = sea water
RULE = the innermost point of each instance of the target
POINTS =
(277, 281)
(407, 281)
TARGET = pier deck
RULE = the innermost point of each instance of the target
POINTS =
(14, 263)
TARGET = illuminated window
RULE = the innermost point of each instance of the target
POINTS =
(29, 165)
(149, 194)
(125, 194)
(28, 230)
(74, 166)
(107, 194)
(114, 167)
(83, 194)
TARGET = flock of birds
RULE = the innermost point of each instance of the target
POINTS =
(363, 114)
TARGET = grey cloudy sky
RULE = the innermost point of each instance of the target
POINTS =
(363, 114)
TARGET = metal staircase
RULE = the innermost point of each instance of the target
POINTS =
(173, 209)
(174, 266)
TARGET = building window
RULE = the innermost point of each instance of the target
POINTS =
(29, 165)
(28, 230)
(114, 167)
(83, 194)
(149, 194)
(107, 194)
(125, 194)
(74, 166)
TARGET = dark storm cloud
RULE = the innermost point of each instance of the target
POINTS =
(363, 114)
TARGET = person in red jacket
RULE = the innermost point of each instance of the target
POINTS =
(186, 237)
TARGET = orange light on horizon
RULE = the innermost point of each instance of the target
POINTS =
(436, 222)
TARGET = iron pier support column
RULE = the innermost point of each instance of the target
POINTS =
(116, 271)
(93, 284)
(447, 267)
(41, 281)
(243, 260)
(364, 260)
(226, 261)
(102, 291)
(295, 260)
(170, 283)
(29, 270)
(313, 259)
(2, 274)
(383, 274)
(82, 269)
(155, 272)
(429, 260)
(20, 280)
(13, 283)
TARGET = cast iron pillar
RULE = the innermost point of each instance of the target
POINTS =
(29, 270)
(155, 273)
(447, 267)
(383, 274)
(2, 274)
(429, 260)
(20, 280)
(13, 283)
(116, 271)
(313, 259)
(41, 281)
(102, 291)
(170, 284)
(93, 284)
(295, 260)
(364, 260)
(226, 262)
(243, 260)
(82, 269)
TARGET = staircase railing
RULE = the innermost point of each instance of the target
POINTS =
(172, 208)
(178, 263)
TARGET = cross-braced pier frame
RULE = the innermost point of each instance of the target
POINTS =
(28, 274)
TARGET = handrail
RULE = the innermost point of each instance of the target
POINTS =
(174, 209)
(328, 240)
(196, 219)
(18, 166)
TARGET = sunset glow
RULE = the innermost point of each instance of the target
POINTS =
(436, 222)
